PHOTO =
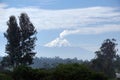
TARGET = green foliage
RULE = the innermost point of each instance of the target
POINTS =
(27, 73)
(27, 40)
(76, 72)
(4, 76)
(71, 72)
(13, 42)
(61, 72)
(98, 76)
(117, 64)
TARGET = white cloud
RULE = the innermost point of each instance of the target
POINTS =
(58, 42)
(91, 30)
(62, 19)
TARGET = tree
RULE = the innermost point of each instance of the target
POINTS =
(76, 71)
(117, 64)
(13, 43)
(20, 42)
(28, 39)
(105, 58)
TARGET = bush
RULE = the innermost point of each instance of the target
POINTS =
(23, 73)
(98, 76)
(4, 77)
(61, 72)
(27, 73)
(76, 72)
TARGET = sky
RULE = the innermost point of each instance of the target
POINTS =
(66, 28)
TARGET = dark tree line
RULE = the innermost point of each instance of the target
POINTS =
(20, 42)
(71, 71)
(47, 63)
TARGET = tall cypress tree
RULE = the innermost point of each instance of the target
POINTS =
(28, 39)
(20, 42)
(13, 43)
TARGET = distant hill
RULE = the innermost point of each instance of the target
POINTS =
(44, 62)
(65, 52)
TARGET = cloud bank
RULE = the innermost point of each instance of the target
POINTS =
(91, 30)
(62, 19)
(91, 20)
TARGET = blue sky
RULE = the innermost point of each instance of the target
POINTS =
(78, 25)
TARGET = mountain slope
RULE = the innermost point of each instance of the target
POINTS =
(65, 52)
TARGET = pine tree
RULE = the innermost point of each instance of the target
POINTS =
(28, 39)
(13, 43)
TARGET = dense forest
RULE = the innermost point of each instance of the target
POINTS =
(20, 62)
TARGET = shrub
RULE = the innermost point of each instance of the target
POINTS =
(76, 72)
(61, 72)
(4, 77)
(27, 73)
